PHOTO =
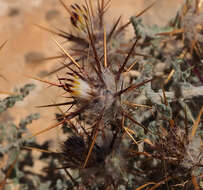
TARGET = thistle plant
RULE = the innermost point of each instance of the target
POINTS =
(98, 91)
(132, 115)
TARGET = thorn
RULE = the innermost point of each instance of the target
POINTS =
(47, 129)
(70, 176)
(75, 72)
(95, 133)
(147, 155)
(91, 8)
(145, 185)
(149, 142)
(73, 38)
(38, 149)
(62, 67)
(105, 6)
(100, 11)
(68, 55)
(50, 58)
(90, 20)
(123, 27)
(126, 59)
(169, 76)
(67, 9)
(64, 34)
(134, 121)
(44, 81)
(47, 29)
(165, 99)
(107, 3)
(160, 183)
(8, 173)
(195, 183)
(91, 148)
(58, 104)
(98, 72)
(113, 29)
(146, 9)
(186, 122)
(194, 127)
(60, 110)
(141, 54)
(94, 48)
(129, 132)
(131, 87)
(172, 33)
(131, 66)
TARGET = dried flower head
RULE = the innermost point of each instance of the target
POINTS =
(74, 151)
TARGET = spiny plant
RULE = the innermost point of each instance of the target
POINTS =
(98, 81)
(122, 131)
(103, 100)
(98, 91)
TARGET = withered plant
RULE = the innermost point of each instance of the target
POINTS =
(129, 107)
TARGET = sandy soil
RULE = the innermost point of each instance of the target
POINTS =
(16, 26)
